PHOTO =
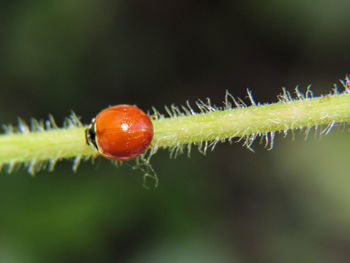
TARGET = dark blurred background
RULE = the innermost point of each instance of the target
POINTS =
(291, 204)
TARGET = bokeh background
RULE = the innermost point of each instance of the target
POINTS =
(291, 204)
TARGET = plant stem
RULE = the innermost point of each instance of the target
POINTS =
(185, 128)
(49, 145)
(253, 120)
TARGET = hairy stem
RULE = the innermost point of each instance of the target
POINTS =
(43, 146)
(256, 119)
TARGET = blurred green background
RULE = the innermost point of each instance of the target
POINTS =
(291, 204)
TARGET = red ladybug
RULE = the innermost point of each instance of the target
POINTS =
(120, 132)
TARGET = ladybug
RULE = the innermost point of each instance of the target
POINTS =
(120, 132)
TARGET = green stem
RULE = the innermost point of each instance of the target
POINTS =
(253, 120)
(46, 146)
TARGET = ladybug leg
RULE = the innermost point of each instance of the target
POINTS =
(155, 116)
(95, 156)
